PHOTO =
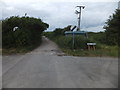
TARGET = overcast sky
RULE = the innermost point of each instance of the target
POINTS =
(61, 13)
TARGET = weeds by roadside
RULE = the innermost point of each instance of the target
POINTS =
(21, 50)
(109, 52)
(65, 43)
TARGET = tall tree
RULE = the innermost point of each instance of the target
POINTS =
(113, 29)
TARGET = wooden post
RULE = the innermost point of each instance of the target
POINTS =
(94, 47)
(91, 46)
(88, 47)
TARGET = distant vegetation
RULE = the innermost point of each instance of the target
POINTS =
(67, 41)
(107, 42)
(80, 40)
(80, 47)
(22, 32)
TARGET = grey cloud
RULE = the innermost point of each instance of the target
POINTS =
(61, 14)
(97, 13)
(94, 15)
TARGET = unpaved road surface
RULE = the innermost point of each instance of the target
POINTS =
(48, 67)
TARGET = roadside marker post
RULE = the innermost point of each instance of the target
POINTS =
(91, 46)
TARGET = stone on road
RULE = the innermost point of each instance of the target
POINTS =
(48, 67)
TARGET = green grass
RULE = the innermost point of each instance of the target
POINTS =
(102, 50)
(107, 51)
(21, 50)
(14, 51)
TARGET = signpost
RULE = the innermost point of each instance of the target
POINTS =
(77, 32)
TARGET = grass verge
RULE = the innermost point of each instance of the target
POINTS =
(109, 52)
(102, 50)
(14, 51)
(21, 50)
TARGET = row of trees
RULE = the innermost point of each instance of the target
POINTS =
(20, 32)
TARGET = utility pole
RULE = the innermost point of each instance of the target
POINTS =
(79, 16)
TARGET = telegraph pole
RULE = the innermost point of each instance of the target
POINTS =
(79, 16)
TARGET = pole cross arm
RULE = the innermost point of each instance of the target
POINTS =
(81, 6)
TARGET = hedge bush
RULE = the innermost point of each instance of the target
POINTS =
(28, 33)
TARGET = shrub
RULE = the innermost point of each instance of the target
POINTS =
(28, 33)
